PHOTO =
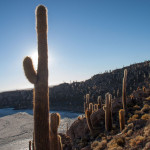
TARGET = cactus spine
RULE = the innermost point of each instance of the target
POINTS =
(124, 98)
(122, 119)
(40, 80)
(108, 112)
(55, 138)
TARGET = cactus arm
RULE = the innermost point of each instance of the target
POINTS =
(29, 70)
(104, 108)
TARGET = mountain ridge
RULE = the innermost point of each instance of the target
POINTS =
(70, 96)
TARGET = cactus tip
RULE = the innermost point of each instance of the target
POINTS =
(41, 9)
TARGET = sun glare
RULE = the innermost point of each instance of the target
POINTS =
(34, 56)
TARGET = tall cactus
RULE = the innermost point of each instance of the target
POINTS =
(55, 138)
(89, 122)
(122, 119)
(124, 97)
(108, 112)
(40, 80)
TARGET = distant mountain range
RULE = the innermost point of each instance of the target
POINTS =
(70, 97)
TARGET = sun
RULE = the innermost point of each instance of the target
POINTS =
(34, 56)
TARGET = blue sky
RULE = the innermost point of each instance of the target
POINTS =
(85, 37)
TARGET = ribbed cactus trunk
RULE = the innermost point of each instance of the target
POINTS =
(40, 81)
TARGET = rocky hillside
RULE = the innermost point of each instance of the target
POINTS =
(71, 96)
(134, 136)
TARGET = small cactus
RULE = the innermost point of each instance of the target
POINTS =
(30, 145)
(95, 107)
(85, 107)
(55, 138)
(91, 108)
(124, 98)
(122, 119)
(40, 80)
(108, 112)
(99, 101)
(87, 100)
(144, 89)
(33, 146)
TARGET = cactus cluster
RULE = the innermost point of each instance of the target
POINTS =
(89, 108)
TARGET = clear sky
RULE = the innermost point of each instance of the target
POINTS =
(85, 37)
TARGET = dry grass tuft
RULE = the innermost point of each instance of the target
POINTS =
(136, 141)
(148, 98)
(138, 112)
(129, 133)
(145, 117)
(99, 145)
(145, 108)
(133, 118)
(136, 107)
